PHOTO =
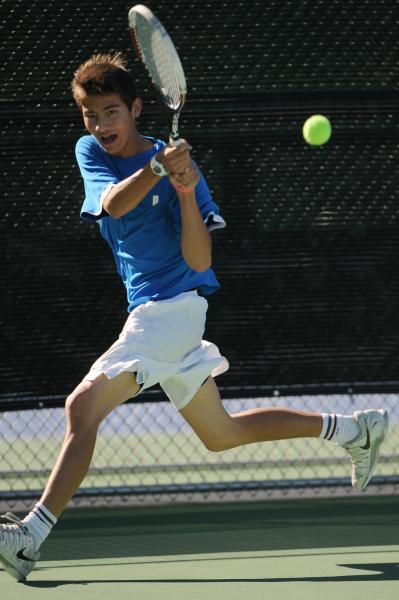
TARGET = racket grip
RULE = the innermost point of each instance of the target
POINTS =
(174, 141)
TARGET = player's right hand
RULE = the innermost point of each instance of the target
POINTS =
(186, 180)
(175, 159)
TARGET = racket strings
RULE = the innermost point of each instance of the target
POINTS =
(156, 55)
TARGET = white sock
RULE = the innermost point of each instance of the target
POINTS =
(40, 522)
(339, 429)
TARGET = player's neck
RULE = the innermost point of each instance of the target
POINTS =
(143, 144)
(137, 145)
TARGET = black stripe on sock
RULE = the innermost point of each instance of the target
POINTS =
(39, 517)
(47, 520)
(328, 428)
(334, 428)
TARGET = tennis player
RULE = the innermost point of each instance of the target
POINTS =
(153, 207)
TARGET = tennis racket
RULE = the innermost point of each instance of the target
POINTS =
(156, 51)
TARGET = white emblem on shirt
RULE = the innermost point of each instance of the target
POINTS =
(155, 200)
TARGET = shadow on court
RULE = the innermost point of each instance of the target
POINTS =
(244, 527)
(386, 572)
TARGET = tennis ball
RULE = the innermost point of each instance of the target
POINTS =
(317, 130)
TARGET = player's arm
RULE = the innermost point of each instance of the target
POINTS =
(195, 240)
(128, 193)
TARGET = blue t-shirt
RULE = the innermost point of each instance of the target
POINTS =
(146, 241)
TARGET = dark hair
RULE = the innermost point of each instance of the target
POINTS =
(104, 74)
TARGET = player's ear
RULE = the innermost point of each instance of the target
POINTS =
(136, 107)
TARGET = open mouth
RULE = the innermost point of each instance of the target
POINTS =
(108, 139)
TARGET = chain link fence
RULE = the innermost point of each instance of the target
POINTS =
(145, 452)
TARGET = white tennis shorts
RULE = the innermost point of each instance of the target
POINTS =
(162, 343)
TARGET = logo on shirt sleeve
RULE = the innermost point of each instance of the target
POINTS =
(155, 200)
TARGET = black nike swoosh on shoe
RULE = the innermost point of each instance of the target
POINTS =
(367, 444)
(21, 555)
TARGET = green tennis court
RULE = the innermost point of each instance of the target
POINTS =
(330, 548)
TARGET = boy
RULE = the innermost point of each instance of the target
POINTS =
(154, 209)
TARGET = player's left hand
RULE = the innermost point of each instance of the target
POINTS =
(175, 158)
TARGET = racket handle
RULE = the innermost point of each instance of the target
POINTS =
(174, 141)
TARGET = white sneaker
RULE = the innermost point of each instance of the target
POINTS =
(17, 548)
(365, 448)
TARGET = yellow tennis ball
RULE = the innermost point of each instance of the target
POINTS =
(317, 130)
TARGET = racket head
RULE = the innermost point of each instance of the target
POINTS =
(156, 51)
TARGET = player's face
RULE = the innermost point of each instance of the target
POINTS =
(112, 123)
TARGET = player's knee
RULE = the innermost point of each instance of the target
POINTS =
(223, 435)
(218, 443)
(214, 445)
(80, 408)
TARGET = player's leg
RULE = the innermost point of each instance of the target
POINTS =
(89, 404)
(220, 430)
(360, 434)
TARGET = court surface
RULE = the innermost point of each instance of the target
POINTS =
(326, 548)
